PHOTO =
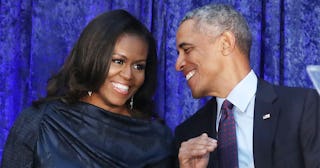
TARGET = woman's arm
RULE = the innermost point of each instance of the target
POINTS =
(20, 145)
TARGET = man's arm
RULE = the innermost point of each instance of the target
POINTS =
(310, 130)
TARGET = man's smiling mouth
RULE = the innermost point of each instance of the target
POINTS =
(190, 74)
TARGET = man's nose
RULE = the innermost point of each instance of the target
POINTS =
(180, 62)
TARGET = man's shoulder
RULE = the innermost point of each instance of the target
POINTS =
(285, 96)
(286, 91)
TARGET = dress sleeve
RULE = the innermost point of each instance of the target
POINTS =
(168, 161)
(20, 145)
(164, 163)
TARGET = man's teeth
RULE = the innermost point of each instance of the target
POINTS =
(120, 86)
(190, 75)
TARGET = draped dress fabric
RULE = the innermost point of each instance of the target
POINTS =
(83, 135)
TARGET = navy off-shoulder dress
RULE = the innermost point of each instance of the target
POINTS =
(58, 135)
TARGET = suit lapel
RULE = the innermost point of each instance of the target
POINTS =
(265, 121)
(213, 162)
(209, 125)
(213, 116)
(207, 118)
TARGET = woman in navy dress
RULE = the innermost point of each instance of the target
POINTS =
(98, 111)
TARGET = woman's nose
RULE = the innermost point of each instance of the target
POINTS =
(126, 72)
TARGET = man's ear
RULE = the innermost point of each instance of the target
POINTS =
(227, 42)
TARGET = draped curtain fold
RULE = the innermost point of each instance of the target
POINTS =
(36, 36)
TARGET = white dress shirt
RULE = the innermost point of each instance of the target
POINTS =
(242, 96)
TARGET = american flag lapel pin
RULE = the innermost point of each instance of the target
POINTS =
(266, 116)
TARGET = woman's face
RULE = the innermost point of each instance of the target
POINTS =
(126, 74)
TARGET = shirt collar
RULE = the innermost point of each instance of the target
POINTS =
(241, 95)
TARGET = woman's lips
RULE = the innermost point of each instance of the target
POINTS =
(121, 88)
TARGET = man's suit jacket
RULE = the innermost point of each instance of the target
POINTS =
(289, 138)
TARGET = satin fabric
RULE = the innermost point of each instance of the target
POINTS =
(83, 135)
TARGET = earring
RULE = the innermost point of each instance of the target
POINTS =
(89, 93)
(131, 103)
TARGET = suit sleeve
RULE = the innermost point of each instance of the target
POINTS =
(176, 146)
(19, 148)
(310, 130)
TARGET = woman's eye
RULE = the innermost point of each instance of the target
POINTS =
(118, 61)
(139, 67)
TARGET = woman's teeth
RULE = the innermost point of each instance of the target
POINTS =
(121, 86)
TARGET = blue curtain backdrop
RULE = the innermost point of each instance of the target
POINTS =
(36, 36)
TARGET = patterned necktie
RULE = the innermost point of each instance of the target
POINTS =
(227, 139)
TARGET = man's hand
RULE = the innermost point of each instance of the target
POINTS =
(195, 152)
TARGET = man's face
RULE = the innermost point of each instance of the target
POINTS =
(199, 59)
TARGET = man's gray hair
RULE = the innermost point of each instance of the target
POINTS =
(220, 18)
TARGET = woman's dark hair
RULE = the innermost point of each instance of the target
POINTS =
(87, 66)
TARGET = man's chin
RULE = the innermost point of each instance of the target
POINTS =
(196, 95)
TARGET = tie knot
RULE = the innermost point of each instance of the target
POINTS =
(227, 105)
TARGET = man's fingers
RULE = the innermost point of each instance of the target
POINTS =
(198, 146)
(201, 141)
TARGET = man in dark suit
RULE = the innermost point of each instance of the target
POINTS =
(274, 126)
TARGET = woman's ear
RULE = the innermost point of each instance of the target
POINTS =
(228, 42)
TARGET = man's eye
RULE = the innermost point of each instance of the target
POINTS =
(139, 67)
(118, 61)
(187, 50)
